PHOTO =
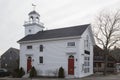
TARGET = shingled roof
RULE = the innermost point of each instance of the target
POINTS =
(57, 33)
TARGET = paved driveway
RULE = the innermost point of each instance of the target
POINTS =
(109, 77)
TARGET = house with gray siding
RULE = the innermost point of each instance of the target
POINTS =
(10, 59)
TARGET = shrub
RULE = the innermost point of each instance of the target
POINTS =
(21, 72)
(15, 72)
(33, 72)
(61, 73)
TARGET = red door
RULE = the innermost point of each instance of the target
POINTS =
(71, 65)
(29, 65)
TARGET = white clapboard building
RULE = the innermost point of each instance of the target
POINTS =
(48, 50)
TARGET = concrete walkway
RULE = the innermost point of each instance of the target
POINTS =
(101, 77)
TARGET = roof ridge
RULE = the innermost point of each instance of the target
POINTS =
(66, 27)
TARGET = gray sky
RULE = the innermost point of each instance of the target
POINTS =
(54, 14)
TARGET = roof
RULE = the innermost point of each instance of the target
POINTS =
(34, 12)
(16, 51)
(97, 50)
(116, 54)
(100, 52)
(57, 33)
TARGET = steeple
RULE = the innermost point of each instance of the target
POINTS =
(33, 25)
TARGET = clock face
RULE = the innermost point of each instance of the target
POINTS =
(30, 30)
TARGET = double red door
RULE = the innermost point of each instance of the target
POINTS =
(71, 66)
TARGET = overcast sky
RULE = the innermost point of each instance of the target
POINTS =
(54, 14)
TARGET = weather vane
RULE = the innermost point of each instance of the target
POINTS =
(34, 6)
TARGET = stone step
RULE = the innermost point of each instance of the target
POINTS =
(26, 75)
(70, 76)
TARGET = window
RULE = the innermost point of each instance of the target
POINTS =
(41, 59)
(31, 17)
(99, 64)
(41, 48)
(94, 64)
(110, 65)
(87, 64)
(71, 44)
(29, 47)
(71, 57)
(86, 42)
(86, 70)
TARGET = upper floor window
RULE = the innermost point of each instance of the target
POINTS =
(71, 44)
(29, 47)
(31, 17)
(86, 42)
(41, 48)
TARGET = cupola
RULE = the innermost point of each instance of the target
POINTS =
(33, 25)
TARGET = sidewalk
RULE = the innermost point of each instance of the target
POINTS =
(102, 77)
(108, 77)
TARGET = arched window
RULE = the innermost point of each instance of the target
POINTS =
(37, 19)
(71, 56)
(31, 17)
(29, 58)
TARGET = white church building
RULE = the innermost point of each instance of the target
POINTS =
(48, 50)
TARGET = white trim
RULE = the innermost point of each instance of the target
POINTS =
(70, 53)
(52, 39)
(29, 55)
(91, 34)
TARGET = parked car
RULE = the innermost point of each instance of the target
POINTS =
(4, 72)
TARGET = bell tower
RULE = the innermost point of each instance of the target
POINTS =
(33, 25)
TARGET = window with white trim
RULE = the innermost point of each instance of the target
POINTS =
(86, 42)
(71, 44)
(29, 47)
(41, 59)
(41, 48)
(86, 64)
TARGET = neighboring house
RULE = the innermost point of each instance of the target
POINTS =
(116, 54)
(99, 60)
(10, 59)
(0, 62)
(48, 50)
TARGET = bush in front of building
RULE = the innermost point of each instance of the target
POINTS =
(61, 73)
(33, 72)
(21, 72)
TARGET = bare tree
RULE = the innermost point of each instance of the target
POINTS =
(107, 32)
